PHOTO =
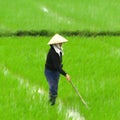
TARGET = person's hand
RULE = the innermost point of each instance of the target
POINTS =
(67, 77)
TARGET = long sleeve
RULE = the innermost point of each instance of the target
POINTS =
(54, 62)
(57, 61)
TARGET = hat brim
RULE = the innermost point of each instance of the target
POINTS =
(57, 39)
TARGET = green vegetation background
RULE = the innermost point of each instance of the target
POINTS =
(93, 63)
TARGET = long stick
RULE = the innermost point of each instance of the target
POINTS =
(83, 101)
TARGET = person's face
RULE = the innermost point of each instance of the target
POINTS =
(60, 44)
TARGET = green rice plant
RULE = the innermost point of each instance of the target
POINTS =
(21, 100)
(93, 64)
(59, 15)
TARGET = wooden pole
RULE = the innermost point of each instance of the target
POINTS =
(83, 101)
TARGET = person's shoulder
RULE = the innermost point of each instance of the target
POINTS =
(51, 50)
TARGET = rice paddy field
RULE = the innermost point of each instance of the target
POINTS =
(92, 62)
(100, 15)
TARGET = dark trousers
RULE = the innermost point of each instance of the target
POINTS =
(53, 80)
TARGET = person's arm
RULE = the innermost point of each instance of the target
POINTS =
(58, 66)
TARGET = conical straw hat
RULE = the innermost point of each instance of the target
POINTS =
(57, 39)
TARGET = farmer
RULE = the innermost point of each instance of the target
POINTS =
(53, 66)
